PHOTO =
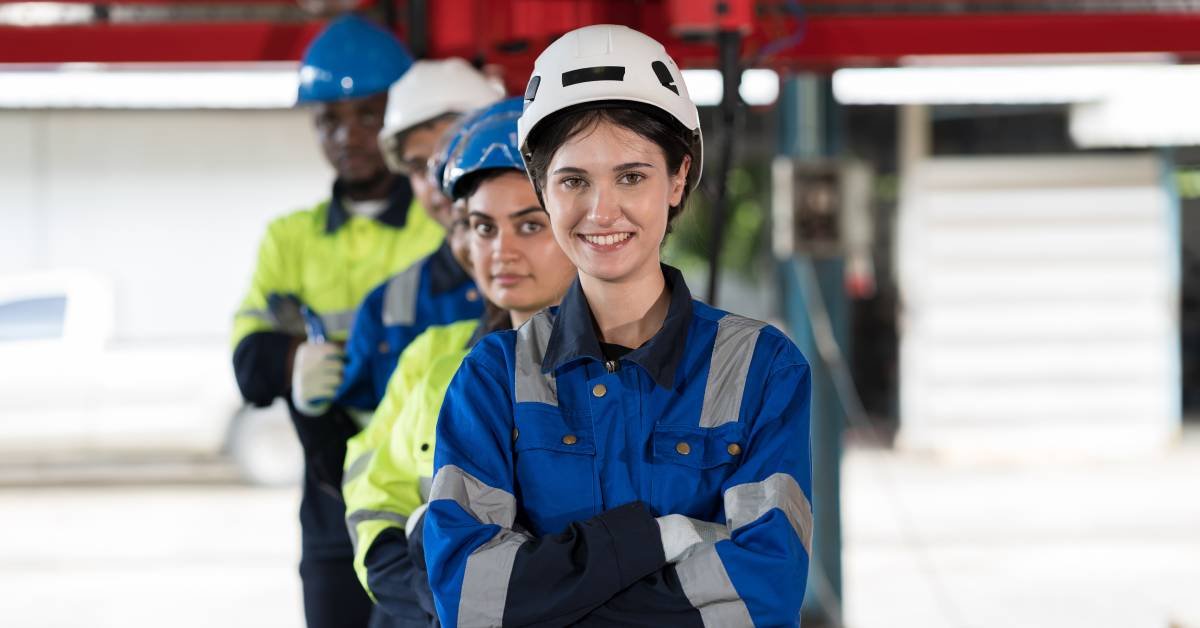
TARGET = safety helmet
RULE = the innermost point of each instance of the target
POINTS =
(488, 143)
(350, 58)
(605, 65)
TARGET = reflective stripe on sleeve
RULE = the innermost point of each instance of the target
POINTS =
(359, 516)
(426, 487)
(531, 383)
(485, 582)
(400, 297)
(708, 587)
(357, 467)
(745, 503)
(338, 322)
(730, 364)
(488, 505)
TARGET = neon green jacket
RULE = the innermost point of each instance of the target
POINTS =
(389, 464)
(330, 262)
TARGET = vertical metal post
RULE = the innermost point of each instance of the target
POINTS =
(729, 44)
(809, 131)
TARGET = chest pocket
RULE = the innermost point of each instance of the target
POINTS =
(555, 458)
(690, 465)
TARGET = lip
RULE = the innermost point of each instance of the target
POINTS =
(507, 280)
(606, 247)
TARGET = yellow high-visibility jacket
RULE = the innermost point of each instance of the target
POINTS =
(389, 464)
(329, 260)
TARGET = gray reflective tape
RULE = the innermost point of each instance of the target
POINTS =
(531, 383)
(426, 487)
(357, 467)
(262, 315)
(337, 322)
(709, 589)
(745, 503)
(488, 505)
(400, 297)
(359, 516)
(485, 581)
(727, 369)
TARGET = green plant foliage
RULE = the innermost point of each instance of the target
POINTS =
(689, 247)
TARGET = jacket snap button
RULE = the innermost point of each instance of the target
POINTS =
(383, 347)
(570, 439)
(734, 449)
(515, 433)
(599, 390)
(683, 449)
(472, 295)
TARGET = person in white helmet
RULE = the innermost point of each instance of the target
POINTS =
(437, 290)
(633, 456)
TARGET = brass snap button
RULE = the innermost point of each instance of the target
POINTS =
(383, 347)
(734, 449)
(599, 390)
(515, 433)
(472, 295)
(683, 449)
(570, 439)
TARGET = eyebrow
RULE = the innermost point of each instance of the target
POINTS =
(526, 211)
(479, 214)
(616, 168)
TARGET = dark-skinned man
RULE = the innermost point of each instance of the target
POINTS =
(314, 267)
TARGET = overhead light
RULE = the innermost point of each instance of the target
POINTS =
(706, 87)
(45, 14)
(74, 86)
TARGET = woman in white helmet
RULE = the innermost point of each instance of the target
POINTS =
(632, 457)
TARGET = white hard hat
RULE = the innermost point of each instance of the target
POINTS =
(605, 63)
(434, 88)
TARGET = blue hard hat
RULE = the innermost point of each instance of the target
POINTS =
(351, 58)
(486, 140)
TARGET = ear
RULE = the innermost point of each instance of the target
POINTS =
(679, 181)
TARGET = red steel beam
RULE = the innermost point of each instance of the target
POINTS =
(828, 42)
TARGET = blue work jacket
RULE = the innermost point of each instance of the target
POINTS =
(433, 291)
(552, 463)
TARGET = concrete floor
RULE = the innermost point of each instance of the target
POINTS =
(928, 544)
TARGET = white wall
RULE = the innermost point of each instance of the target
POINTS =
(170, 205)
(1040, 299)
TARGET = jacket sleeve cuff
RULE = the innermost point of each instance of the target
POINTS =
(260, 365)
(636, 541)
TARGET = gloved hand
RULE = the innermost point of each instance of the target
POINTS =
(316, 376)
(681, 535)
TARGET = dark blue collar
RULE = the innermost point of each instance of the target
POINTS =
(574, 334)
(445, 273)
(395, 215)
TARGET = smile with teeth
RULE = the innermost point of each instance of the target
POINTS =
(608, 239)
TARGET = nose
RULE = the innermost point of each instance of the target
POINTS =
(605, 209)
(506, 247)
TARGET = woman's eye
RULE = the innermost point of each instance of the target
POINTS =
(531, 227)
(631, 178)
(573, 183)
(483, 229)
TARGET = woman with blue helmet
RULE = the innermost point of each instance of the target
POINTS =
(520, 269)
(632, 457)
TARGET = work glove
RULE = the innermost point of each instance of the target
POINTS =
(682, 535)
(316, 376)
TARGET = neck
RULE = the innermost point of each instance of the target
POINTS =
(519, 318)
(377, 187)
(628, 312)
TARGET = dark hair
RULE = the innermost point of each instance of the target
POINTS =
(469, 184)
(650, 123)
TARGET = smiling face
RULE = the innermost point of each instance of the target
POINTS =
(517, 262)
(608, 191)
